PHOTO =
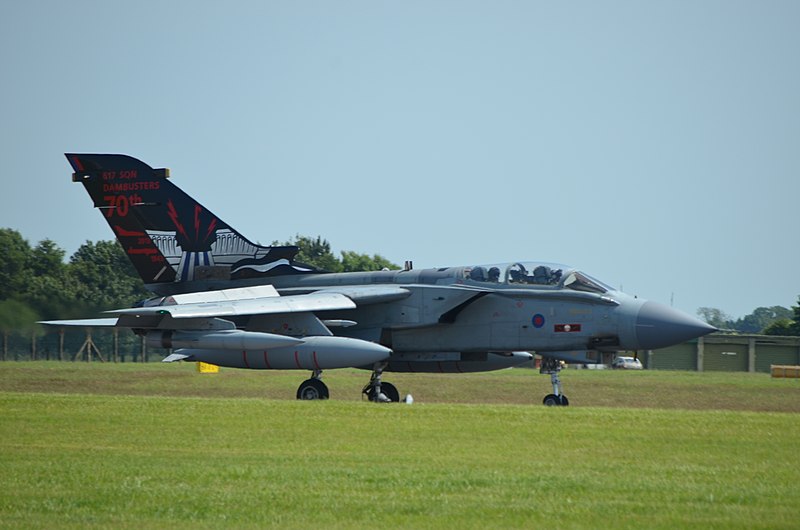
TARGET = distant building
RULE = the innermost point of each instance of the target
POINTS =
(726, 353)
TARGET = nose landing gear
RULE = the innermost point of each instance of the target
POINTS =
(380, 392)
(552, 366)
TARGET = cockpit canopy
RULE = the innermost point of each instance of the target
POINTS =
(539, 275)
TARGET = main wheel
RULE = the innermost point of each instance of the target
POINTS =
(312, 389)
(388, 390)
(552, 400)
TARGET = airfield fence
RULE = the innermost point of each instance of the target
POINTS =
(77, 344)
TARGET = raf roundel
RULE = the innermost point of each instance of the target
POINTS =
(538, 320)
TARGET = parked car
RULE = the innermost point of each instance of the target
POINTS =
(627, 363)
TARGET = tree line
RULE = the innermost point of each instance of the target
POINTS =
(775, 320)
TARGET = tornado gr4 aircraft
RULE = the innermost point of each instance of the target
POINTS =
(224, 300)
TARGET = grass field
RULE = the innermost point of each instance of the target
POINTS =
(160, 446)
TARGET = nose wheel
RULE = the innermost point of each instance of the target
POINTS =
(552, 400)
(380, 392)
(552, 367)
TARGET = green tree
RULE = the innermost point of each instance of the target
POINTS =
(48, 289)
(15, 258)
(47, 259)
(354, 262)
(716, 317)
(15, 316)
(760, 319)
(317, 253)
(796, 310)
(104, 277)
(55, 296)
(783, 327)
(786, 326)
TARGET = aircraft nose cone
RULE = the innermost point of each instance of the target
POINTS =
(659, 326)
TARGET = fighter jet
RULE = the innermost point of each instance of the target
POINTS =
(221, 299)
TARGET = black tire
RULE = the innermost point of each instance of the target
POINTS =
(388, 390)
(312, 389)
(552, 400)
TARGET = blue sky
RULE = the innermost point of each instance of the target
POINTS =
(656, 145)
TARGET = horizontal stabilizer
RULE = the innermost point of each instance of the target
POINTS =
(83, 323)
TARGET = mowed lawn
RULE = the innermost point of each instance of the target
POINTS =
(138, 446)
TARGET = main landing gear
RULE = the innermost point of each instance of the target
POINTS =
(552, 367)
(375, 390)
(313, 388)
(378, 391)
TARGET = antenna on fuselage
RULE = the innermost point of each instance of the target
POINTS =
(408, 265)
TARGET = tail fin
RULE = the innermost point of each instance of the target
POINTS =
(168, 236)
